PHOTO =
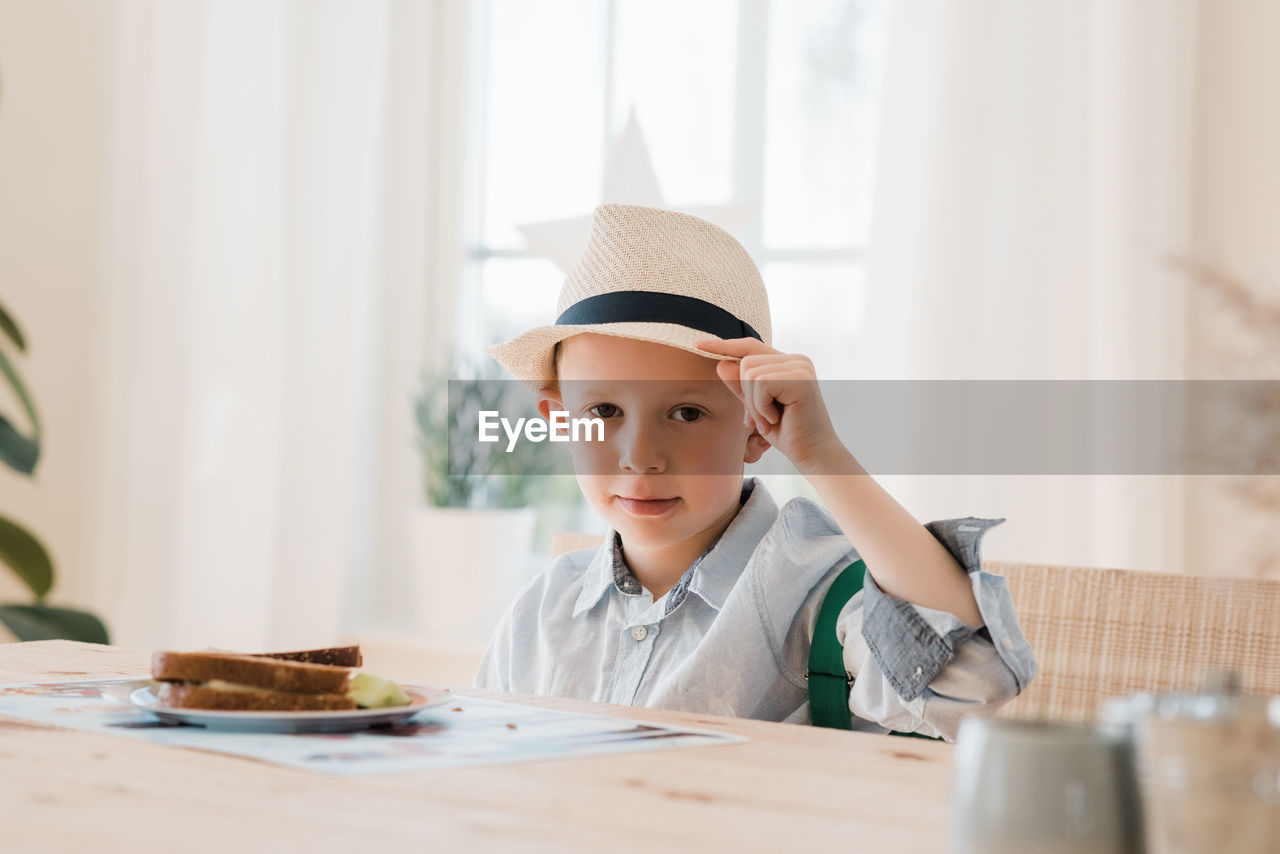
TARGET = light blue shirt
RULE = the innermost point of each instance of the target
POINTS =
(732, 636)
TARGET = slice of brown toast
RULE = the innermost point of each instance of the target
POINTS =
(184, 696)
(338, 656)
(266, 673)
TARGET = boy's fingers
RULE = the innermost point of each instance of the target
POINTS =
(762, 363)
(780, 389)
(737, 347)
(774, 392)
(763, 399)
(756, 389)
(746, 393)
(731, 376)
(760, 404)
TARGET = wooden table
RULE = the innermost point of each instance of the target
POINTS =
(790, 788)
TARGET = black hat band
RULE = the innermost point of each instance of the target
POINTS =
(654, 307)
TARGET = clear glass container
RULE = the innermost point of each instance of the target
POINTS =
(1208, 767)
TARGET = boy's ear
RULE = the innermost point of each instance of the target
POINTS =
(756, 446)
(549, 399)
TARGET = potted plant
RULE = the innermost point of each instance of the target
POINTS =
(21, 550)
(473, 532)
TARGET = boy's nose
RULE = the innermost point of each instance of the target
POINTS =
(639, 453)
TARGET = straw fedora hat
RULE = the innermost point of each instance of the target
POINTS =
(653, 275)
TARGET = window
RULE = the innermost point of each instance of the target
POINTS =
(737, 99)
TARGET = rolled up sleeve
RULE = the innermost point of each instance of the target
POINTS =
(921, 670)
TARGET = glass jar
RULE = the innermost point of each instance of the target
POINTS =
(1208, 768)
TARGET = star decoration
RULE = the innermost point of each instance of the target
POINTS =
(629, 179)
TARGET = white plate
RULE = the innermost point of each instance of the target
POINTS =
(141, 694)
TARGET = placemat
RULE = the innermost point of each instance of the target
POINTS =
(464, 732)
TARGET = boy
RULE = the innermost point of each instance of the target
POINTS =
(705, 596)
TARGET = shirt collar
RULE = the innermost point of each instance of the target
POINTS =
(714, 574)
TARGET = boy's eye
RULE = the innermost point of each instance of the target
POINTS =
(603, 410)
(688, 413)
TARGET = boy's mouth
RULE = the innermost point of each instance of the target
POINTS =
(647, 506)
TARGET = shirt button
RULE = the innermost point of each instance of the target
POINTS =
(1006, 642)
(919, 672)
(639, 633)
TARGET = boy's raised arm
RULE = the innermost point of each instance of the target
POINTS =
(781, 398)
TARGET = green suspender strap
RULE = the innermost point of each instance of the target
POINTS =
(829, 682)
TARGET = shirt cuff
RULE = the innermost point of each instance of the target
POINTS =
(912, 644)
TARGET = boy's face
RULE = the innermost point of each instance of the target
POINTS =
(670, 466)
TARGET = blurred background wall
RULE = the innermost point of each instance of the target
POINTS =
(52, 173)
(1233, 308)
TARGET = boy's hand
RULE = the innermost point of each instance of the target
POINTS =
(780, 394)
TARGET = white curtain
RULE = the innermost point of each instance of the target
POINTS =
(266, 304)
(1033, 174)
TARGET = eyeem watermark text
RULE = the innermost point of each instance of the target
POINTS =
(561, 428)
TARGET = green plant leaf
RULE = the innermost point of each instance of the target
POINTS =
(18, 451)
(10, 327)
(28, 558)
(42, 622)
